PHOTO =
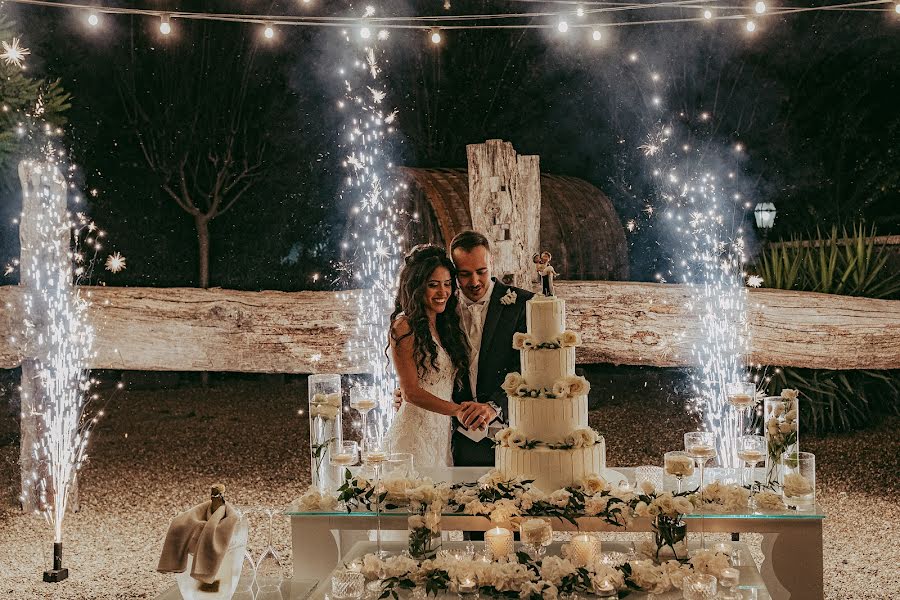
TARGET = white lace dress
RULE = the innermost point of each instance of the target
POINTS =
(421, 432)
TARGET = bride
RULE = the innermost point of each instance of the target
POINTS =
(430, 356)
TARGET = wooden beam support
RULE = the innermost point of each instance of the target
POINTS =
(190, 329)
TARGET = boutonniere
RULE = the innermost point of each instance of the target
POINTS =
(509, 297)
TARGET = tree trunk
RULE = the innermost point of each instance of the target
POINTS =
(202, 223)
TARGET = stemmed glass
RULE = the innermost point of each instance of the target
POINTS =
(269, 573)
(373, 457)
(742, 396)
(751, 449)
(701, 446)
(679, 464)
(362, 400)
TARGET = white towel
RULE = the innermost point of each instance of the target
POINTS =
(206, 536)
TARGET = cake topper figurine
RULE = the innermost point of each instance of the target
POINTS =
(545, 271)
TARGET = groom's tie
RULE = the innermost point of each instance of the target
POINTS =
(475, 309)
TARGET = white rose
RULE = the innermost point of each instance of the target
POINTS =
(415, 522)
(796, 485)
(790, 394)
(559, 498)
(333, 399)
(766, 500)
(502, 437)
(785, 427)
(329, 413)
(589, 437)
(528, 343)
(512, 383)
(593, 484)
(433, 521)
(561, 389)
(666, 504)
(682, 505)
(647, 487)
(578, 386)
(642, 509)
(318, 398)
(573, 440)
(596, 504)
(778, 410)
(517, 439)
(772, 426)
(569, 339)
(519, 339)
(791, 415)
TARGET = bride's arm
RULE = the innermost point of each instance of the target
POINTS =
(405, 364)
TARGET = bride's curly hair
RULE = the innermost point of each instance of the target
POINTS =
(420, 263)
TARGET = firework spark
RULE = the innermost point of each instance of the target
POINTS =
(115, 263)
(14, 53)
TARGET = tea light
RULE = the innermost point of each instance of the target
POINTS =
(467, 585)
(365, 404)
(605, 589)
(723, 548)
(499, 541)
(374, 456)
(729, 578)
(584, 548)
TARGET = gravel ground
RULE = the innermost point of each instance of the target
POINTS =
(156, 452)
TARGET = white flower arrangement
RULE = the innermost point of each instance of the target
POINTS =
(325, 406)
(511, 437)
(312, 499)
(512, 382)
(796, 485)
(509, 297)
(526, 341)
(566, 387)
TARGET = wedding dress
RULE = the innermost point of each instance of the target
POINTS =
(426, 434)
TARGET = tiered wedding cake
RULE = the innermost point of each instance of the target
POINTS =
(548, 439)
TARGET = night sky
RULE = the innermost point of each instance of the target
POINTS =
(812, 97)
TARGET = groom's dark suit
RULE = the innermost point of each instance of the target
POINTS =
(496, 359)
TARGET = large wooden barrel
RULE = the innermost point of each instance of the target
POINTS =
(578, 222)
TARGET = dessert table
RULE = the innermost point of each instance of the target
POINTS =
(792, 541)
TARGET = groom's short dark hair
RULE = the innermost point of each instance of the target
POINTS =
(468, 240)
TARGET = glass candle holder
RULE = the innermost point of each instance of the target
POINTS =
(347, 584)
(741, 396)
(751, 450)
(584, 548)
(701, 446)
(679, 464)
(781, 420)
(343, 454)
(499, 542)
(536, 535)
(698, 586)
(651, 474)
(799, 482)
(363, 400)
(324, 427)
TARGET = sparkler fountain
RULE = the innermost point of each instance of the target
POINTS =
(705, 213)
(376, 238)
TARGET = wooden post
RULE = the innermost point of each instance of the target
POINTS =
(45, 237)
(505, 204)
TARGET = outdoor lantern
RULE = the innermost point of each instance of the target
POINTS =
(765, 215)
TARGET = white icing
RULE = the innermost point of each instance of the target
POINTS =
(552, 469)
(548, 420)
(545, 318)
(542, 368)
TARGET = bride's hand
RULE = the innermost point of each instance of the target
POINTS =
(475, 415)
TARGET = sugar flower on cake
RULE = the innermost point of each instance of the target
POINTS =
(517, 439)
(523, 341)
(578, 386)
(569, 339)
(588, 436)
(796, 485)
(512, 383)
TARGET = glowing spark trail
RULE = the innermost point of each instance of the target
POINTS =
(376, 242)
(13, 53)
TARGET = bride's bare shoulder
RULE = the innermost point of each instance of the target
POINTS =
(400, 327)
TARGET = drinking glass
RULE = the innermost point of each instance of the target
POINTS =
(698, 586)
(751, 450)
(362, 400)
(269, 574)
(536, 535)
(742, 396)
(701, 446)
(679, 464)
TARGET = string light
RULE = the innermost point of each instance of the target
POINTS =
(365, 33)
(93, 20)
(435, 36)
(897, 8)
(165, 27)
(751, 26)
(269, 31)
(596, 35)
(579, 11)
(760, 7)
(563, 27)
(707, 14)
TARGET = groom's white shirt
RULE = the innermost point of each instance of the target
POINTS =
(472, 315)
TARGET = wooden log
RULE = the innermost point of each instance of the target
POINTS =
(505, 205)
(189, 329)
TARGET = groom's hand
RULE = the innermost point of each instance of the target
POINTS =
(475, 415)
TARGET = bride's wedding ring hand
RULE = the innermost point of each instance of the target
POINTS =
(398, 399)
(475, 415)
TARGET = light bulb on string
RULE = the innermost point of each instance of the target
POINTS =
(897, 8)
(365, 33)
(435, 36)
(93, 20)
(269, 31)
(165, 27)
(596, 35)
(579, 11)
(563, 27)
(760, 7)
(707, 14)
(751, 26)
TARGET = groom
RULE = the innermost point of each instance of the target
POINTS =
(490, 313)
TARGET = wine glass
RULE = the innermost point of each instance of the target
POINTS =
(269, 574)
(362, 400)
(751, 449)
(536, 534)
(701, 446)
(343, 454)
(679, 464)
(742, 396)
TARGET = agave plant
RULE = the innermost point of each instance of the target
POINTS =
(851, 265)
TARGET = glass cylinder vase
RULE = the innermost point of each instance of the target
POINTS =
(669, 533)
(324, 428)
(799, 486)
(424, 527)
(781, 418)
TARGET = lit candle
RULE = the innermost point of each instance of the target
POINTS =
(729, 577)
(584, 548)
(605, 589)
(374, 456)
(365, 404)
(723, 548)
(467, 585)
(499, 541)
